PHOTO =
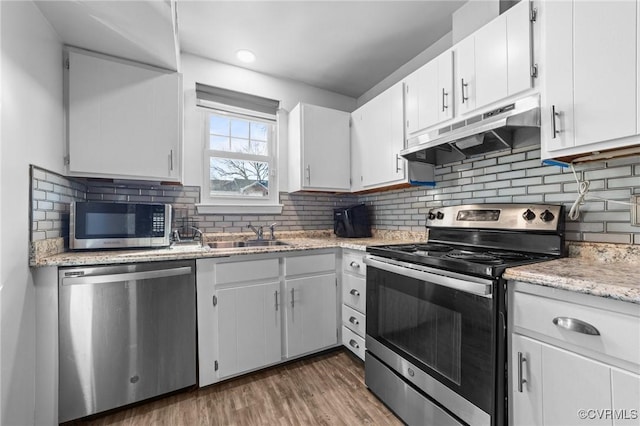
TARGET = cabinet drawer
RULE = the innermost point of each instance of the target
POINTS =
(353, 320)
(353, 292)
(619, 333)
(235, 272)
(353, 342)
(310, 264)
(352, 262)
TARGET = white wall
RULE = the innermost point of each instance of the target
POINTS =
(32, 133)
(288, 92)
(418, 61)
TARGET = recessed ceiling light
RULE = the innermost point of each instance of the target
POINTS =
(245, 55)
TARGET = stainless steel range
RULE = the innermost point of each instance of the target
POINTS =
(436, 314)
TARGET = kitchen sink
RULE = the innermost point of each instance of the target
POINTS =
(247, 244)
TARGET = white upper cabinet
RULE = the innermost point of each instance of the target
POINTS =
(378, 137)
(429, 94)
(590, 78)
(491, 61)
(494, 63)
(464, 65)
(318, 149)
(124, 119)
(519, 48)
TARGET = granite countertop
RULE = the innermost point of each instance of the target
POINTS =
(605, 270)
(51, 254)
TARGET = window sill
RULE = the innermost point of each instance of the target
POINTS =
(239, 209)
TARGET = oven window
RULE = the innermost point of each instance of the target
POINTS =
(445, 332)
(429, 332)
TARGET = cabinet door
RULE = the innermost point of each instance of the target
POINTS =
(605, 70)
(384, 139)
(518, 48)
(428, 95)
(311, 314)
(445, 86)
(248, 326)
(526, 404)
(556, 131)
(357, 149)
(325, 148)
(491, 62)
(411, 102)
(572, 383)
(625, 389)
(465, 75)
(124, 120)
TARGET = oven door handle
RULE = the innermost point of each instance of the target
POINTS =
(471, 285)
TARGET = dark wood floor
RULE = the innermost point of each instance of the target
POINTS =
(327, 389)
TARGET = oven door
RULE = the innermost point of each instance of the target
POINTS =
(436, 329)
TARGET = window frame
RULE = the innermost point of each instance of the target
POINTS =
(237, 203)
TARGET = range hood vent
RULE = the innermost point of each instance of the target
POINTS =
(481, 134)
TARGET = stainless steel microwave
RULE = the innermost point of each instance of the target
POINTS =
(99, 225)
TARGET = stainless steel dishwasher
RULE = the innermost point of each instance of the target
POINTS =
(127, 333)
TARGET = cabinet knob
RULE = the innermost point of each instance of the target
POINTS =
(354, 292)
(354, 321)
(354, 264)
(354, 344)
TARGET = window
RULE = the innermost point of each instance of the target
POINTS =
(239, 156)
(240, 159)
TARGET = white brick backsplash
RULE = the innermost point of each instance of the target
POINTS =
(544, 189)
(513, 191)
(512, 175)
(528, 199)
(515, 176)
(530, 164)
(607, 238)
(607, 173)
(623, 182)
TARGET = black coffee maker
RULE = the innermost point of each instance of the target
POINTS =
(351, 222)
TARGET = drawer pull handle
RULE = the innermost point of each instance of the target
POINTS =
(521, 380)
(354, 264)
(354, 292)
(354, 321)
(576, 325)
(354, 344)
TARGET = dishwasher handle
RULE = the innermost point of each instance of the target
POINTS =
(128, 276)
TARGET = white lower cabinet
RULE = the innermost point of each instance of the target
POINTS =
(310, 290)
(244, 301)
(571, 378)
(248, 327)
(311, 314)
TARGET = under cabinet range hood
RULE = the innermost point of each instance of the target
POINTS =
(477, 135)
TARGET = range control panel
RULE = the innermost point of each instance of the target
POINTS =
(529, 217)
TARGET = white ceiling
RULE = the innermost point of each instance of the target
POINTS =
(137, 30)
(342, 46)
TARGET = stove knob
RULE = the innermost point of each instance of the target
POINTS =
(439, 215)
(431, 216)
(528, 215)
(547, 216)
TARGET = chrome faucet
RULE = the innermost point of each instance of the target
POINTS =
(198, 235)
(259, 232)
(272, 228)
